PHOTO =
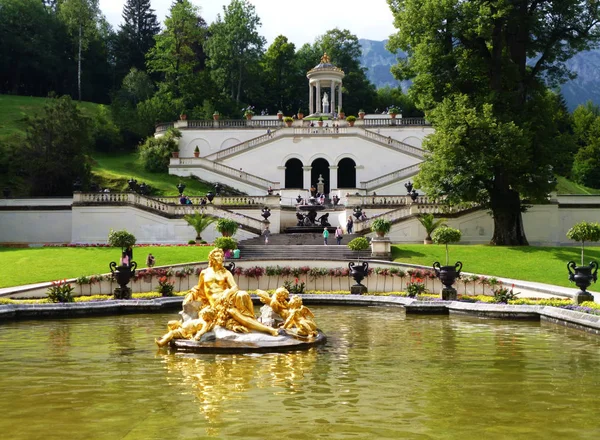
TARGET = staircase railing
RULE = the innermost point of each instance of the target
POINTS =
(243, 146)
(392, 177)
(382, 122)
(220, 168)
(165, 209)
(393, 143)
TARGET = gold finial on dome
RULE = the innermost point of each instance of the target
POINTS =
(325, 58)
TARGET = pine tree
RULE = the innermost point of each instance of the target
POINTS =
(136, 35)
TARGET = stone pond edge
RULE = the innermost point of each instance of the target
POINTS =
(569, 318)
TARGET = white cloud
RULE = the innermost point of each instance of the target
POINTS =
(301, 21)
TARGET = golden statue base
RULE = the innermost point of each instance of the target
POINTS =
(266, 344)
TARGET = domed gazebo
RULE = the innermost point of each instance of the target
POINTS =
(324, 75)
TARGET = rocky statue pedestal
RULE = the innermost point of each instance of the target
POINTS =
(122, 293)
(449, 294)
(358, 289)
(582, 296)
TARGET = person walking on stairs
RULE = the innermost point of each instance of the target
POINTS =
(325, 235)
(266, 233)
(339, 233)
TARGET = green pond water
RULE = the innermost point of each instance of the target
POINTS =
(381, 375)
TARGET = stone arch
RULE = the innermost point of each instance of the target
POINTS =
(229, 142)
(414, 141)
(346, 173)
(202, 144)
(294, 174)
(320, 166)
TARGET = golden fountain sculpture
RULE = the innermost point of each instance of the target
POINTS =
(216, 314)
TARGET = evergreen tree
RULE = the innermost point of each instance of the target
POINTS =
(135, 37)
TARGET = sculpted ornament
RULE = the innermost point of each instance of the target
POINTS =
(218, 317)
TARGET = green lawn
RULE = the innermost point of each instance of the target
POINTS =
(541, 264)
(565, 186)
(14, 108)
(529, 263)
(114, 170)
(35, 265)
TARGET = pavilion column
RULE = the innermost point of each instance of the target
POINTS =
(310, 99)
(306, 180)
(340, 95)
(333, 110)
(319, 97)
(333, 175)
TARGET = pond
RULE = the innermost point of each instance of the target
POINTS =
(382, 374)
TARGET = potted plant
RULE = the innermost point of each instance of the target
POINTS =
(249, 113)
(122, 272)
(381, 226)
(300, 114)
(175, 154)
(341, 113)
(320, 121)
(216, 115)
(227, 227)
(225, 243)
(447, 274)
(182, 116)
(279, 115)
(360, 269)
(393, 111)
(288, 121)
(199, 222)
(430, 224)
(351, 120)
(196, 151)
(583, 275)
(361, 114)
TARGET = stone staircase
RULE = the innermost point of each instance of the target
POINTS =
(306, 246)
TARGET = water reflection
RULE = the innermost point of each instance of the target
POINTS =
(216, 380)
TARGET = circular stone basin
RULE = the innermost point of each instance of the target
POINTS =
(265, 344)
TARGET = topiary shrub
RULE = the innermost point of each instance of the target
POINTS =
(446, 235)
(351, 118)
(227, 227)
(584, 231)
(359, 244)
(226, 243)
(122, 238)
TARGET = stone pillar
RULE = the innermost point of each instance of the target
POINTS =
(333, 176)
(340, 95)
(319, 97)
(332, 106)
(310, 99)
(306, 176)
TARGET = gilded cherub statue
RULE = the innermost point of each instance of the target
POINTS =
(191, 329)
(300, 319)
(278, 302)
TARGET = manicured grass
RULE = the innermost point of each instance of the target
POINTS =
(565, 186)
(36, 265)
(14, 108)
(528, 263)
(114, 170)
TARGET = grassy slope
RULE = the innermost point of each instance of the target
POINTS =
(565, 186)
(14, 108)
(113, 171)
(28, 266)
(539, 264)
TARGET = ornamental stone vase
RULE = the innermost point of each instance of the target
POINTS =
(447, 276)
(358, 271)
(122, 275)
(583, 276)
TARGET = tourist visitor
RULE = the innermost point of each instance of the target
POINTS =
(182, 199)
(150, 261)
(349, 225)
(363, 216)
(266, 233)
(270, 191)
(124, 259)
(203, 201)
(339, 234)
(236, 253)
(325, 235)
(129, 252)
(269, 132)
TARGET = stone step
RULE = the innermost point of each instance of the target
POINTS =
(304, 239)
(307, 252)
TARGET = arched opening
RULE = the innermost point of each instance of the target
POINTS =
(294, 175)
(347, 173)
(320, 167)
